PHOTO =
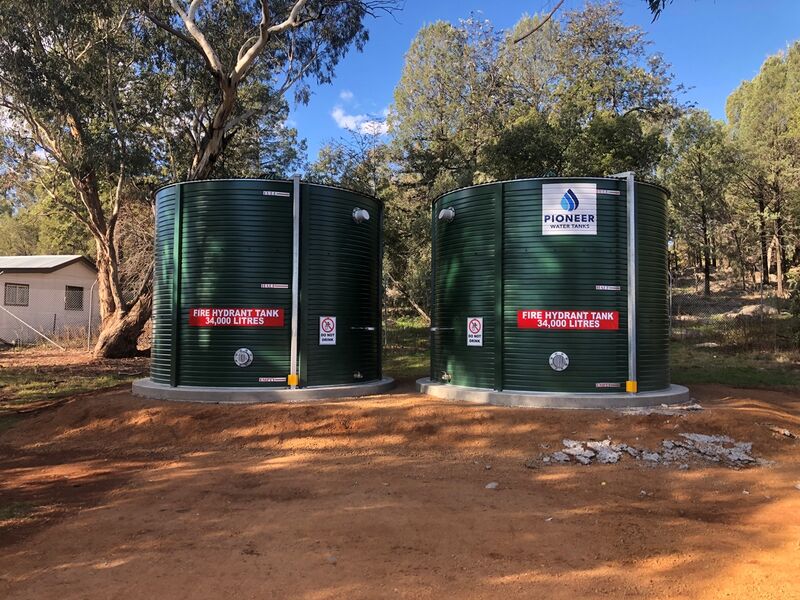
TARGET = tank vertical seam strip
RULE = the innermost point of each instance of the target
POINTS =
(304, 339)
(499, 193)
(379, 337)
(295, 272)
(176, 284)
(631, 385)
(432, 307)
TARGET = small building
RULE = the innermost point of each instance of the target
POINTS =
(55, 295)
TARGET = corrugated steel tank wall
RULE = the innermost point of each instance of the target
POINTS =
(494, 261)
(340, 276)
(465, 284)
(225, 248)
(163, 279)
(653, 288)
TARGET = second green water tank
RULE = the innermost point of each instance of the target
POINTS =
(530, 287)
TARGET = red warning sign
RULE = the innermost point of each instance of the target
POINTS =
(236, 317)
(588, 320)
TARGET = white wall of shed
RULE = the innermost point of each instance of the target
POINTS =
(46, 304)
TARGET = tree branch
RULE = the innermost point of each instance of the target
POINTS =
(540, 25)
(188, 18)
(265, 31)
(235, 122)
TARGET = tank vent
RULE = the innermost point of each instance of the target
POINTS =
(447, 214)
(360, 215)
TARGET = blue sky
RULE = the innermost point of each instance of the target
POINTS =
(713, 45)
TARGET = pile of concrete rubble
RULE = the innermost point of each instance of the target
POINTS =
(691, 446)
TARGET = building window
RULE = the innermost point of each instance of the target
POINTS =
(17, 294)
(74, 298)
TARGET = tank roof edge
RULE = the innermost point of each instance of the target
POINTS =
(466, 187)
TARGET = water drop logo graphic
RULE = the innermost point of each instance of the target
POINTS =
(570, 201)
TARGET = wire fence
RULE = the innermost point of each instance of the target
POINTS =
(731, 318)
(727, 318)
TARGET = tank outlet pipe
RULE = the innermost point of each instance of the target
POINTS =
(294, 378)
(632, 385)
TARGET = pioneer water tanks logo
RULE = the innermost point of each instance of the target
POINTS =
(564, 214)
(569, 201)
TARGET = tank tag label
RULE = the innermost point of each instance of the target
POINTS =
(273, 193)
(569, 209)
(327, 331)
(236, 317)
(607, 288)
(609, 192)
(474, 331)
(589, 320)
(274, 286)
(271, 379)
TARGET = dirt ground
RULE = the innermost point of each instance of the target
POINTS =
(117, 497)
(31, 378)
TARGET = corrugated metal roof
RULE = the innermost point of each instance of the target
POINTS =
(39, 262)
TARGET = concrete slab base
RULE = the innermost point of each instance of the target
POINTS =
(674, 394)
(146, 388)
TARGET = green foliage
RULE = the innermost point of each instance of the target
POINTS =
(18, 235)
(793, 280)
(614, 143)
(360, 162)
(529, 147)
(30, 385)
(764, 117)
(700, 168)
(610, 143)
(15, 510)
(43, 228)
(224, 76)
(406, 348)
(445, 102)
(266, 149)
(57, 63)
(657, 7)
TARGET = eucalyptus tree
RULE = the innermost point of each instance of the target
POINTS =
(764, 117)
(446, 104)
(104, 99)
(73, 82)
(241, 59)
(699, 169)
(358, 161)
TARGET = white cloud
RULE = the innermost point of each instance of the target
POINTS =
(365, 124)
(346, 95)
(374, 127)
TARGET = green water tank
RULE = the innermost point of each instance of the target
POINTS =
(531, 287)
(259, 280)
